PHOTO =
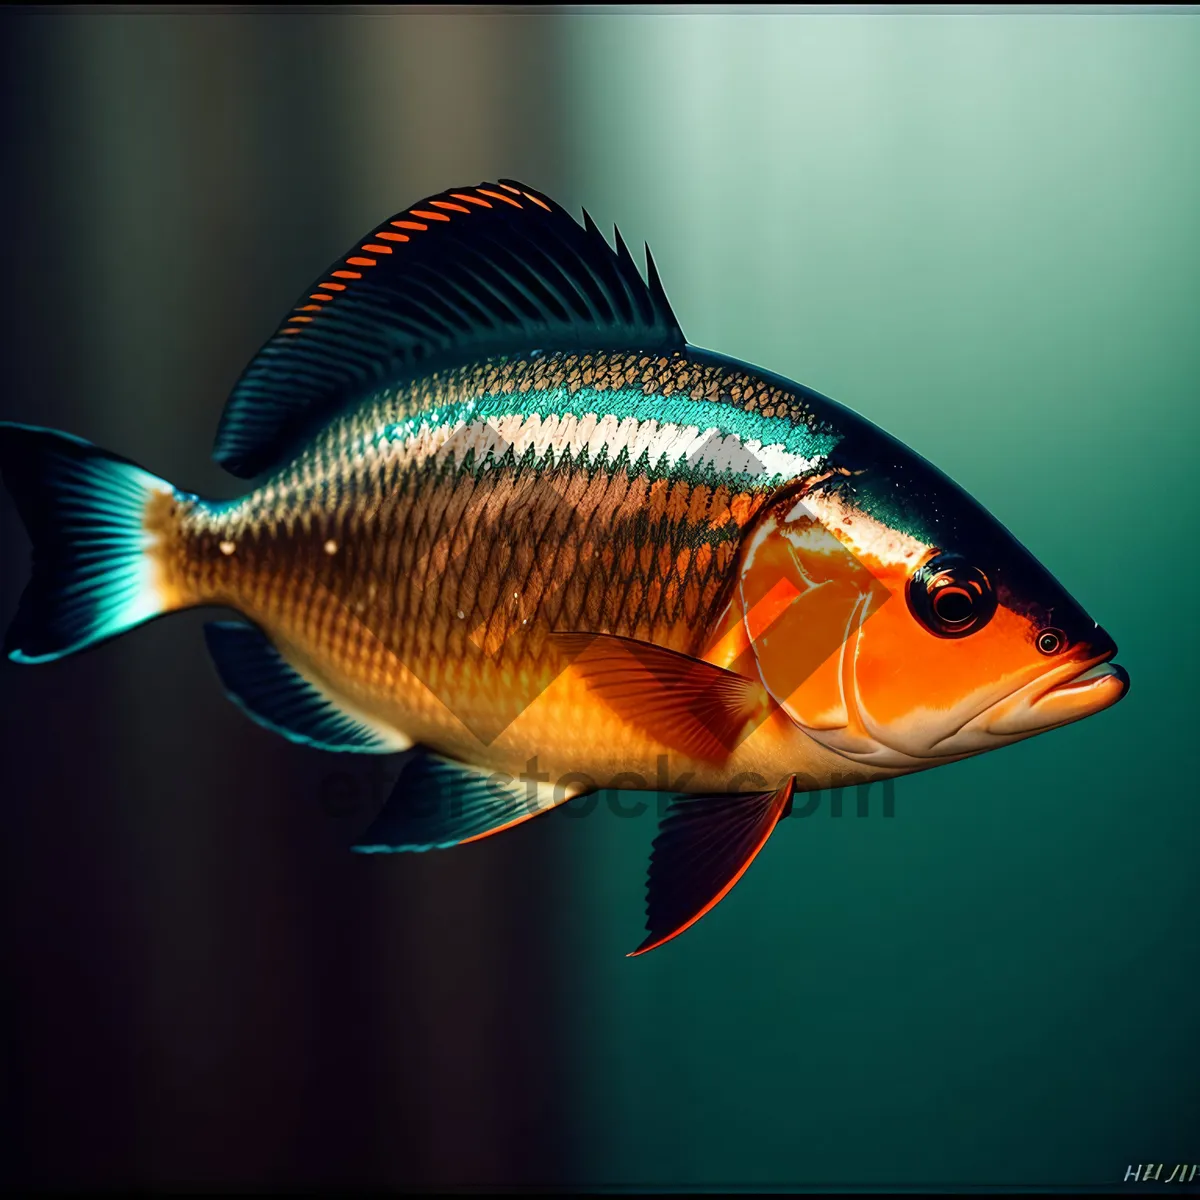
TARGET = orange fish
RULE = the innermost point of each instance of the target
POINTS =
(506, 519)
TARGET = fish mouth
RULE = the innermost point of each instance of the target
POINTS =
(1078, 690)
(1068, 692)
(1103, 675)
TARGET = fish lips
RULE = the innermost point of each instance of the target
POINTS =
(1067, 693)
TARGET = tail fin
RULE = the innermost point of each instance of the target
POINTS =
(94, 575)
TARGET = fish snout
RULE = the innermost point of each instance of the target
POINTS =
(1087, 682)
(1101, 644)
(1102, 649)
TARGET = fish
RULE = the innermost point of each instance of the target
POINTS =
(504, 520)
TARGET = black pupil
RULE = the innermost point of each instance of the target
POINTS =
(953, 606)
(950, 596)
(1049, 642)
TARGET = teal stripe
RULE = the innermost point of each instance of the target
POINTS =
(705, 415)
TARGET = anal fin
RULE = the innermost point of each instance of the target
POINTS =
(438, 803)
(271, 692)
(704, 846)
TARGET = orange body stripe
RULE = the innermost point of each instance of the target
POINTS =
(498, 196)
(334, 287)
(429, 216)
(348, 274)
(291, 331)
(540, 203)
(781, 798)
(508, 187)
(394, 237)
(408, 225)
(361, 262)
(377, 249)
(310, 308)
(447, 204)
(471, 199)
(299, 318)
(318, 296)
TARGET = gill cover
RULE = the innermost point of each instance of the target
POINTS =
(804, 597)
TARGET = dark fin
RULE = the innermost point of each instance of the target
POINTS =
(437, 803)
(85, 510)
(689, 704)
(478, 271)
(270, 691)
(703, 849)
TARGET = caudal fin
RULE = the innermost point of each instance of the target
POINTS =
(95, 571)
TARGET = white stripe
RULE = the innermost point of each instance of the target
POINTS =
(556, 437)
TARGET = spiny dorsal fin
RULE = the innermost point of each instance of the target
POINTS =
(472, 272)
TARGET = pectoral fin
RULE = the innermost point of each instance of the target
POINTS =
(703, 848)
(686, 703)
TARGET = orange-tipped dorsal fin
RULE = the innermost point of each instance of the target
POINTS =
(456, 278)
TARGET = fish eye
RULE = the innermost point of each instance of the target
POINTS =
(950, 596)
(1051, 641)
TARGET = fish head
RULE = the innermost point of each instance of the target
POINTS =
(897, 622)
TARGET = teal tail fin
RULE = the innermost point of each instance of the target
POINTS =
(95, 570)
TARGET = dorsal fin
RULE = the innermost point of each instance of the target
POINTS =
(493, 269)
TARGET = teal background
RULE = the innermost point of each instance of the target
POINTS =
(980, 231)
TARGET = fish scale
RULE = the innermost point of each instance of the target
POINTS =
(361, 554)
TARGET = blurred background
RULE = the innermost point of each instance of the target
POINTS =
(979, 231)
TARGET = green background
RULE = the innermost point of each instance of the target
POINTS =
(980, 231)
(982, 234)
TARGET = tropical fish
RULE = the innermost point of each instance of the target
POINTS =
(507, 520)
